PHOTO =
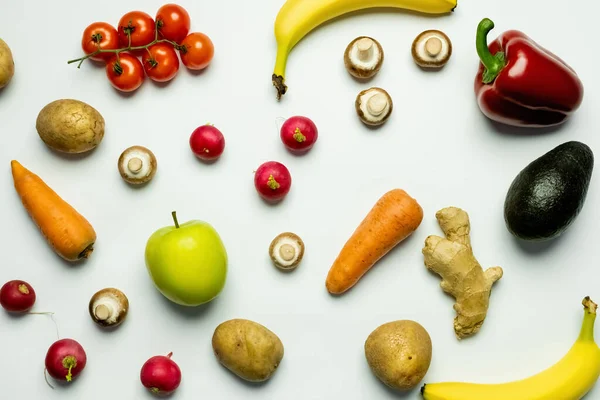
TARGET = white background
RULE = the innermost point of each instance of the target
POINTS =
(437, 146)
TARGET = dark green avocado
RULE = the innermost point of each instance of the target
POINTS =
(547, 195)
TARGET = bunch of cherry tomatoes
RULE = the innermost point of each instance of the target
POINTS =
(156, 41)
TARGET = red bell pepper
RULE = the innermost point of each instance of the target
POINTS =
(520, 83)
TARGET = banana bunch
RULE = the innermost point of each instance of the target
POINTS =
(299, 17)
(569, 379)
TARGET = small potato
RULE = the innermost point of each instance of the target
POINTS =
(7, 64)
(399, 353)
(70, 126)
(247, 349)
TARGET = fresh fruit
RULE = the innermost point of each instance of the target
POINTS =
(108, 307)
(161, 62)
(571, 378)
(65, 360)
(100, 35)
(547, 195)
(17, 296)
(187, 262)
(161, 375)
(139, 26)
(173, 22)
(125, 72)
(207, 142)
(272, 181)
(197, 51)
(299, 134)
(247, 349)
(7, 64)
(297, 18)
(70, 126)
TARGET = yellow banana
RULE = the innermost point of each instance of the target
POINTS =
(299, 17)
(569, 379)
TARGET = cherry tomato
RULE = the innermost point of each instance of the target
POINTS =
(173, 22)
(141, 27)
(162, 63)
(100, 35)
(125, 73)
(197, 51)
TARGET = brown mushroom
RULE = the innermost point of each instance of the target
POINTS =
(374, 106)
(431, 49)
(137, 165)
(108, 307)
(363, 57)
(286, 251)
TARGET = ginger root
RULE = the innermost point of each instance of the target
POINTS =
(462, 277)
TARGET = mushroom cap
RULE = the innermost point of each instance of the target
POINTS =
(137, 165)
(440, 44)
(371, 100)
(282, 239)
(115, 304)
(369, 47)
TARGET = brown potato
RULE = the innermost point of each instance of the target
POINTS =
(70, 126)
(7, 64)
(247, 349)
(399, 353)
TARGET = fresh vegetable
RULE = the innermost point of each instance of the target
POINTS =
(136, 28)
(462, 276)
(207, 142)
(69, 234)
(272, 181)
(247, 349)
(108, 307)
(99, 35)
(399, 353)
(161, 375)
(7, 64)
(173, 22)
(187, 262)
(297, 18)
(17, 296)
(431, 49)
(137, 165)
(65, 360)
(570, 378)
(196, 51)
(299, 134)
(374, 106)
(363, 57)
(70, 126)
(161, 62)
(286, 251)
(546, 197)
(520, 83)
(392, 219)
(125, 72)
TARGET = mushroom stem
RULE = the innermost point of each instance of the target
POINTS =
(365, 49)
(376, 104)
(134, 165)
(287, 252)
(433, 46)
(103, 312)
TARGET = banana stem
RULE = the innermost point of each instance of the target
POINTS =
(278, 77)
(589, 318)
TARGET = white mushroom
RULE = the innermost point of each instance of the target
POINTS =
(108, 307)
(286, 251)
(431, 49)
(363, 57)
(137, 165)
(374, 106)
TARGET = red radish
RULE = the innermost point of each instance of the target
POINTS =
(299, 134)
(272, 180)
(207, 142)
(161, 375)
(17, 296)
(65, 360)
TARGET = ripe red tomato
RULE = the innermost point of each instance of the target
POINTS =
(100, 35)
(173, 22)
(197, 51)
(162, 63)
(141, 27)
(125, 73)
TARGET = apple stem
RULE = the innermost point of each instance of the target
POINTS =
(175, 219)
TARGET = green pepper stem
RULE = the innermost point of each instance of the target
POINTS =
(493, 63)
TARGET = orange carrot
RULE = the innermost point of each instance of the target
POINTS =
(392, 219)
(68, 232)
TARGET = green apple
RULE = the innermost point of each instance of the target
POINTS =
(187, 262)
